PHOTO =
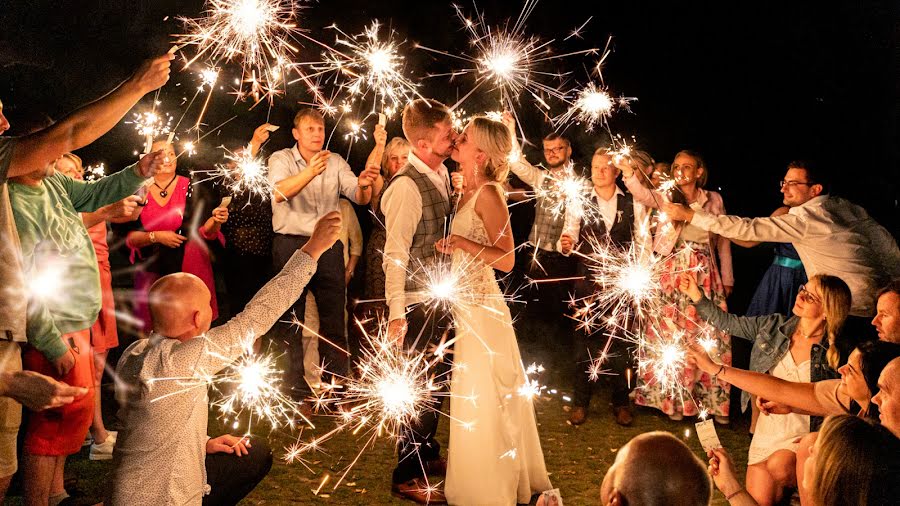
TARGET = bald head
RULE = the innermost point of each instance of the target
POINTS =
(656, 469)
(888, 396)
(179, 306)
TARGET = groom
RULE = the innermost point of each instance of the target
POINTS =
(416, 208)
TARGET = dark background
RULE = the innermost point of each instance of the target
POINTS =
(750, 85)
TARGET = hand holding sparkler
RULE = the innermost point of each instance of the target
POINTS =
(700, 358)
(150, 163)
(448, 244)
(326, 231)
(688, 286)
(397, 331)
(678, 212)
(768, 407)
(319, 162)
(380, 135)
(566, 244)
(368, 176)
(220, 215)
(167, 238)
(123, 210)
(260, 136)
(153, 73)
(227, 443)
(457, 181)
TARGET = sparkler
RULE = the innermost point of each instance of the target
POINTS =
(508, 60)
(254, 382)
(241, 172)
(260, 33)
(372, 68)
(592, 105)
(94, 172)
(152, 124)
(568, 194)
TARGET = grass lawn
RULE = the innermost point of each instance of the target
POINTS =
(576, 457)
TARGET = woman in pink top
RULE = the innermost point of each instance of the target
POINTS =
(171, 238)
(708, 257)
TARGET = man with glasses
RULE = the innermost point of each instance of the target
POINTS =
(832, 236)
(548, 259)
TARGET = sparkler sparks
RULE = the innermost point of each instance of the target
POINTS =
(509, 60)
(258, 32)
(373, 69)
(242, 172)
(94, 172)
(592, 105)
(152, 124)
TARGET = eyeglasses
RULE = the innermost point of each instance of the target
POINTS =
(808, 296)
(553, 151)
(782, 183)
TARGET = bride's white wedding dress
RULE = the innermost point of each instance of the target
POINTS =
(494, 455)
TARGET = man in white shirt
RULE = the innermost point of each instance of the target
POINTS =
(309, 182)
(832, 236)
(620, 219)
(416, 207)
(163, 455)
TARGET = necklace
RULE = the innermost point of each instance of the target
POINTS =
(164, 191)
(812, 335)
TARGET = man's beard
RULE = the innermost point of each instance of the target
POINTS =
(559, 165)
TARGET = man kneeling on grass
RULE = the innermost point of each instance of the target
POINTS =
(163, 455)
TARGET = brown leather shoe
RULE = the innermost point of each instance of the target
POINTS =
(437, 467)
(623, 416)
(418, 490)
(578, 416)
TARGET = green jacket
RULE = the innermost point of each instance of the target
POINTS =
(58, 259)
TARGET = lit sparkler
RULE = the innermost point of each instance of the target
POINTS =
(592, 105)
(372, 68)
(509, 60)
(152, 124)
(242, 172)
(259, 33)
(94, 172)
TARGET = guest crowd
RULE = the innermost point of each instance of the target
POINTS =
(823, 380)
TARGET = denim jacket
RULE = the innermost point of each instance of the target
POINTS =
(771, 337)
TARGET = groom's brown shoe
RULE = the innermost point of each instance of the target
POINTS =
(418, 490)
(436, 467)
(578, 416)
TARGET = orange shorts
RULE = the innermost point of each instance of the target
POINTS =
(104, 335)
(61, 431)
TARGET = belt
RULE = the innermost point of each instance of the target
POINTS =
(790, 263)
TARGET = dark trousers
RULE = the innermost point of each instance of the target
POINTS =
(417, 445)
(589, 346)
(231, 478)
(244, 275)
(331, 297)
(553, 296)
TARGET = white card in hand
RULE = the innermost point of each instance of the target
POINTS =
(550, 498)
(706, 433)
(382, 119)
(226, 201)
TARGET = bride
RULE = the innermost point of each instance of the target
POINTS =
(494, 455)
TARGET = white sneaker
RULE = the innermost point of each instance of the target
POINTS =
(104, 451)
(88, 440)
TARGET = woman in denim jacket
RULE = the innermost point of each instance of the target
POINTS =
(797, 348)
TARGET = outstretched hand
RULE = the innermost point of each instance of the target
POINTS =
(678, 212)
(699, 357)
(153, 73)
(150, 163)
(325, 233)
(688, 286)
(721, 469)
(38, 392)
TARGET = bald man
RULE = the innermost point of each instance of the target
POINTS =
(656, 469)
(888, 397)
(163, 455)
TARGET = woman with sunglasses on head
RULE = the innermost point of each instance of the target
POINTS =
(799, 348)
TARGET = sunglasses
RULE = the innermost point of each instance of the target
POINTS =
(808, 296)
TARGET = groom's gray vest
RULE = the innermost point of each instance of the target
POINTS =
(548, 226)
(435, 215)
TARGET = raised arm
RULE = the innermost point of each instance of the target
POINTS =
(87, 124)
(798, 395)
(746, 327)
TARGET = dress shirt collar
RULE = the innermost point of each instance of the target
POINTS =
(422, 167)
(813, 202)
(601, 199)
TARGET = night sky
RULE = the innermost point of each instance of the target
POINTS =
(750, 85)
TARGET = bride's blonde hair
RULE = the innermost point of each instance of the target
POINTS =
(494, 139)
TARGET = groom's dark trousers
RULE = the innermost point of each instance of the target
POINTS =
(426, 326)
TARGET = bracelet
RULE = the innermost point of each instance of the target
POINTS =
(365, 187)
(721, 368)
(152, 237)
(728, 498)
